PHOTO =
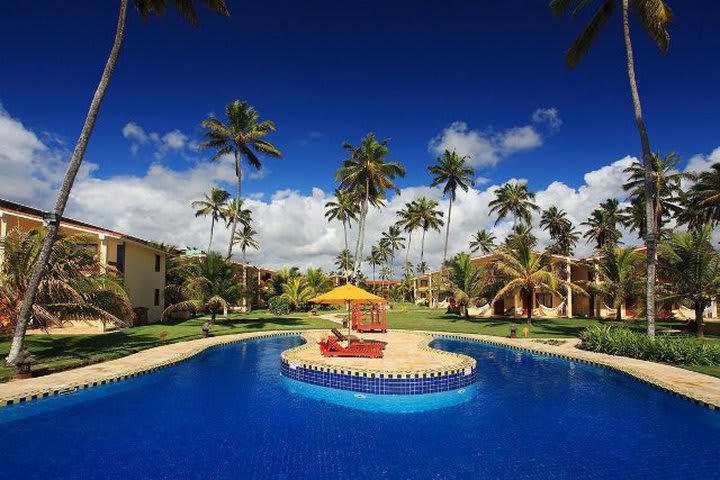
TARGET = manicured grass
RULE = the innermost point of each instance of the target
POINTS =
(712, 370)
(61, 352)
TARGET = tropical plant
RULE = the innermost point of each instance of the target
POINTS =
(430, 218)
(281, 277)
(514, 198)
(602, 226)
(317, 281)
(483, 241)
(705, 195)
(213, 205)
(344, 262)
(521, 269)
(345, 209)
(691, 267)
(554, 220)
(467, 282)
(297, 292)
(232, 209)
(409, 220)
(452, 171)
(375, 259)
(621, 277)
(145, 8)
(242, 136)
(521, 233)
(245, 238)
(211, 285)
(394, 240)
(565, 240)
(422, 268)
(74, 284)
(367, 176)
(655, 16)
(279, 305)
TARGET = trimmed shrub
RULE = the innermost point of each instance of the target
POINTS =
(665, 349)
(279, 305)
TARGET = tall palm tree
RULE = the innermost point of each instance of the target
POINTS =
(467, 282)
(514, 198)
(344, 262)
(430, 218)
(231, 209)
(521, 269)
(317, 281)
(554, 220)
(245, 238)
(343, 208)
(666, 185)
(603, 224)
(242, 136)
(145, 8)
(212, 205)
(368, 176)
(565, 240)
(705, 194)
(621, 277)
(655, 16)
(451, 171)
(375, 259)
(394, 240)
(691, 266)
(409, 220)
(483, 241)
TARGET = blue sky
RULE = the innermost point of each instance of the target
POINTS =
(327, 72)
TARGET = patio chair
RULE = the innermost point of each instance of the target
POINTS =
(354, 339)
(331, 348)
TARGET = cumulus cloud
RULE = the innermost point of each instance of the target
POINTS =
(488, 147)
(174, 140)
(698, 163)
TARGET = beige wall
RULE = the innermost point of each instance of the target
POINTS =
(141, 279)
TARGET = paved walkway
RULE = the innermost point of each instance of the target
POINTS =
(704, 388)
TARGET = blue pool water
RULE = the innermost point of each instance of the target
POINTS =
(228, 413)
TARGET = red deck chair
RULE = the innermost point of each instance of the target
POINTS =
(353, 339)
(331, 348)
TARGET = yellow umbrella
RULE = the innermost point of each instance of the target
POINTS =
(347, 294)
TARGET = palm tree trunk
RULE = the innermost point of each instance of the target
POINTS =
(651, 230)
(345, 232)
(212, 228)
(422, 246)
(238, 174)
(447, 234)
(407, 249)
(64, 193)
(529, 306)
(618, 313)
(361, 233)
(699, 320)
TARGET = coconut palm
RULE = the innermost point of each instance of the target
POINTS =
(344, 208)
(621, 277)
(655, 16)
(409, 221)
(344, 262)
(565, 240)
(242, 136)
(666, 185)
(317, 281)
(297, 292)
(231, 209)
(483, 241)
(603, 224)
(452, 171)
(73, 284)
(554, 220)
(467, 282)
(375, 259)
(245, 238)
(514, 198)
(213, 205)
(367, 176)
(394, 240)
(430, 218)
(521, 233)
(211, 285)
(145, 9)
(422, 268)
(521, 269)
(691, 267)
(705, 195)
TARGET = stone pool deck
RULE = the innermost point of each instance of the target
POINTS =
(701, 388)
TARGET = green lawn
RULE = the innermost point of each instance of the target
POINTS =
(61, 352)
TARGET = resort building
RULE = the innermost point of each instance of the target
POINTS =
(139, 262)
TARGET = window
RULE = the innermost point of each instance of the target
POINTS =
(157, 297)
(157, 263)
(120, 258)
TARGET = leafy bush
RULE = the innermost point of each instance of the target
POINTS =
(279, 305)
(663, 348)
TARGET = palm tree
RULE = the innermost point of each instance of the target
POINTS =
(344, 262)
(211, 286)
(483, 241)
(242, 136)
(655, 16)
(231, 209)
(317, 281)
(467, 282)
(409, 221)
(514, 198)
(386, 274)
(422, 268)
(602, 224)
(297, 292)
(145, 8)
(430, 218)
(554, 220)
(343, 208)
(565, 240)
(212, 205)
(246, 239)
(666, 185)
(521, 269)
(394, 240)
(705, 194)
(521, 233)
(375, 259)
(621, 277)
(367, 177)
(691, 266)
(451, 171)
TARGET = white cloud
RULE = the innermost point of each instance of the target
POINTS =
(174, 140)
(698, 163)
(487, 148)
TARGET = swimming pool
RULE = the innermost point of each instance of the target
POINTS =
(227, 413)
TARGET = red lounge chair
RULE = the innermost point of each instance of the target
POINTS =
(353, 339)
(331, 348)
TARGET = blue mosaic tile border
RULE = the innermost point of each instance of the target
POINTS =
(380, 383)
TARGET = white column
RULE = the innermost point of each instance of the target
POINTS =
(515, 303)
(568, 302)
(103, 253)
(430, 296)
(3, 234)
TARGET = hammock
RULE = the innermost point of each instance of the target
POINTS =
(544, 311)
(611, 312)
(443, 304)
(479, 311)
(684, 313)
